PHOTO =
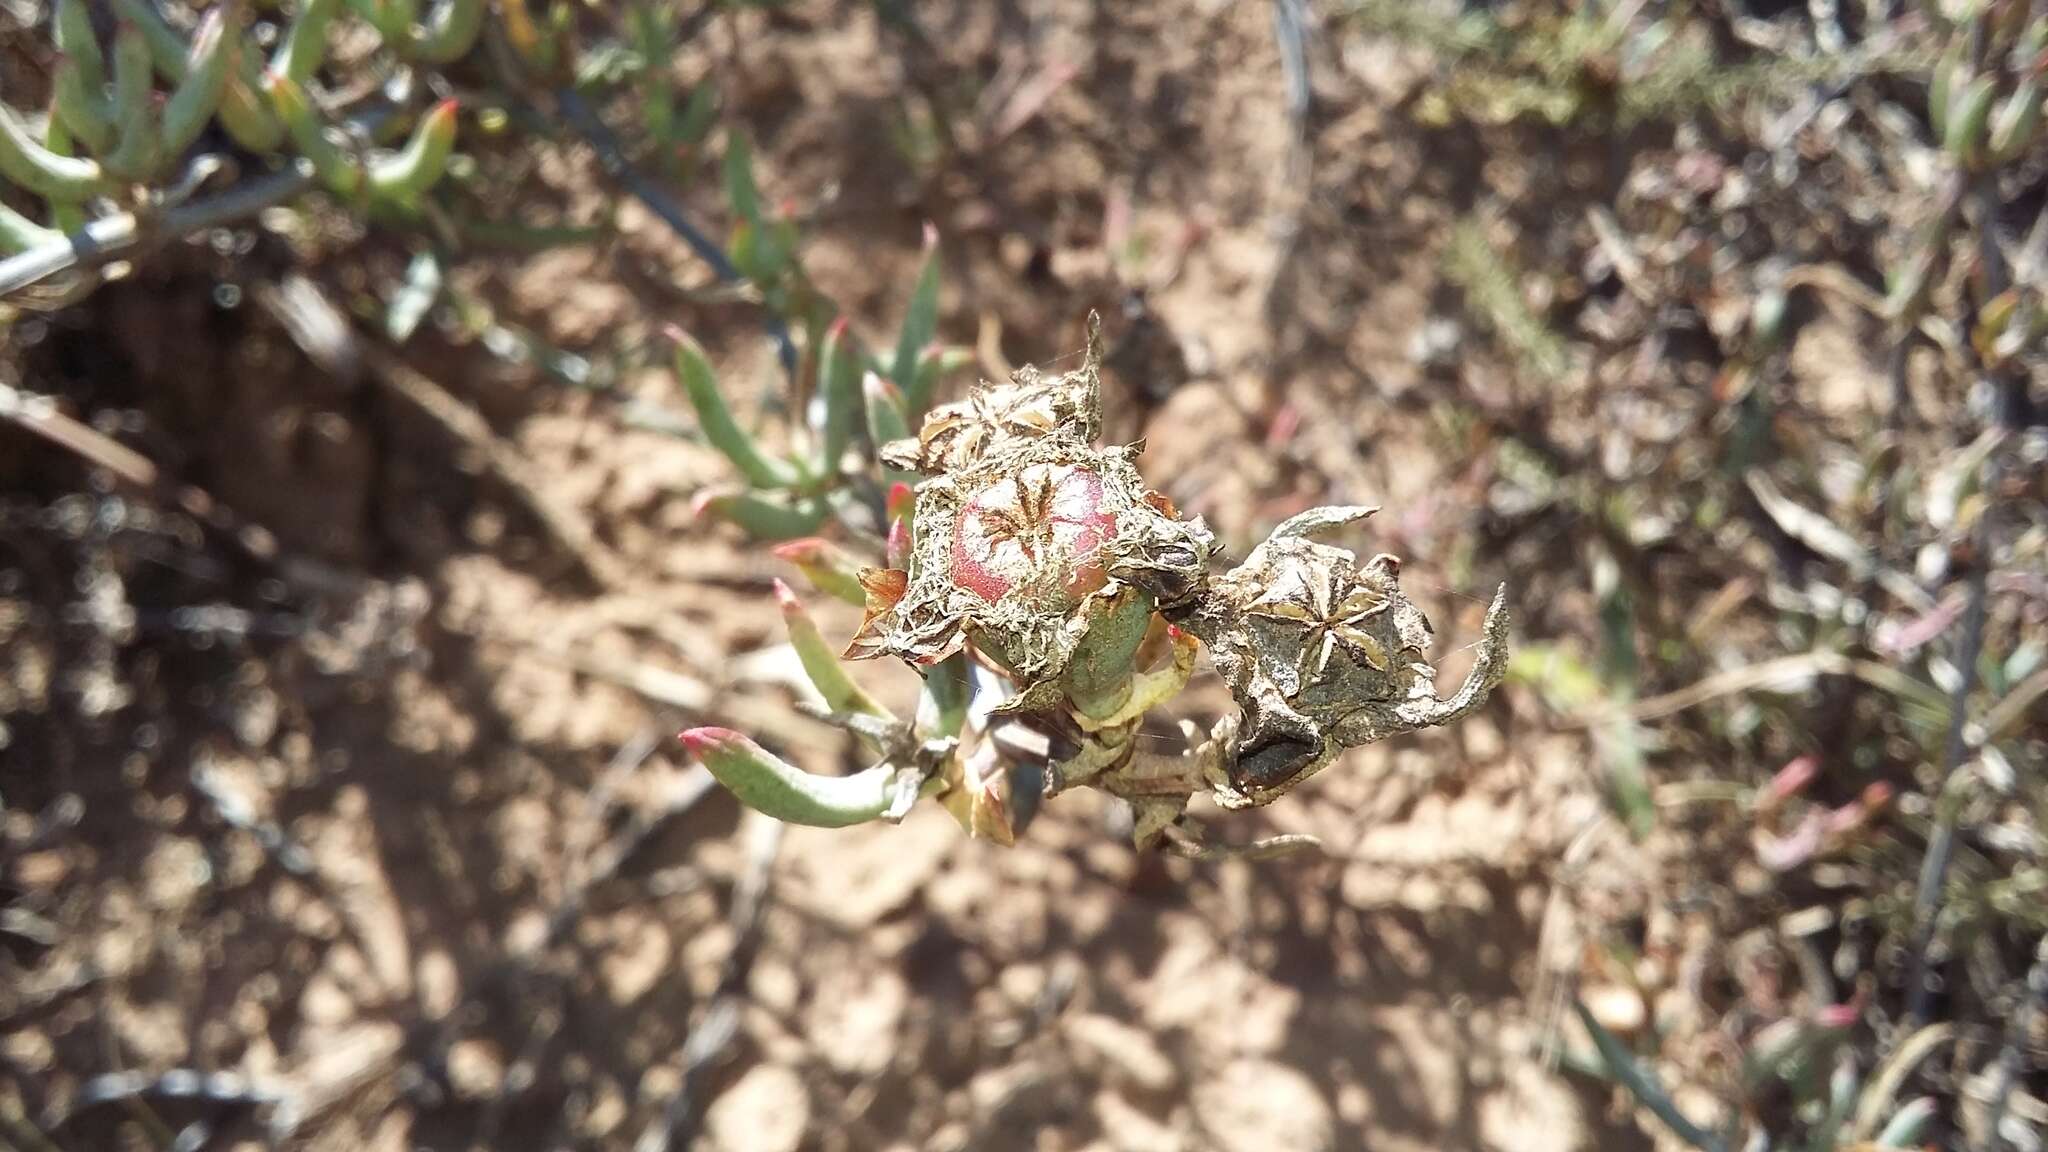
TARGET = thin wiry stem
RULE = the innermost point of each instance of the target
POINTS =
(589, 126)
(2008, 414)
(110, 236)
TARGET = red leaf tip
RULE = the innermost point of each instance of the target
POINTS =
(709, 739)
(707, 503)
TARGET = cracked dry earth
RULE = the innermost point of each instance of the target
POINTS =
(419, 962)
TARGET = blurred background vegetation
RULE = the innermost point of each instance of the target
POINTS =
(362, 542)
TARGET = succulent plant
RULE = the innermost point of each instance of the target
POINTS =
(112, 143)
(1045, 560)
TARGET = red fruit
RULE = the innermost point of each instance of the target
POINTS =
(1046, 523)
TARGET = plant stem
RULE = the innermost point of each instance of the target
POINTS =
(2008, 415)
(106, 238)
(612, 156)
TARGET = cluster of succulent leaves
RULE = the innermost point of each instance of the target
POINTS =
(828, 486)
(128, 105)
(846, 392)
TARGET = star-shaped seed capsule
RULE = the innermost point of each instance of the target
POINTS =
(1333, 609)
(1324, 653)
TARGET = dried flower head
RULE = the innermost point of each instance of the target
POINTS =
(1014, 554)
(1047, 557)
(996, 418)
(1323, 654)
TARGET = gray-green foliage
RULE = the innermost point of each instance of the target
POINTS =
(126, 110)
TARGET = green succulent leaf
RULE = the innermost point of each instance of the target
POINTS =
(338, 171)
(827, 566)
(886, 421)
(28, 165)
(724, 432)
(1968, 116)
(934, 365)
(1622, 1065)
(136, 149)
(403, 177)
(839, 394)
(449, 32)
(774, 787)
(920, 325)
(66, 216)
(761, 517)
(18, 233)
(80, 106)
(820, 662)
(740, 189)
(653, 30)
(298, 55)
(198, 96)
(1908, 1124)
(948, 689)
(698, 117)
(72, 32)
(242, 110)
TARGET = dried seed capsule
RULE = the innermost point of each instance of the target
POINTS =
(1019, 543)
(1323, 653)
(1042, 527)
(999, 417)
